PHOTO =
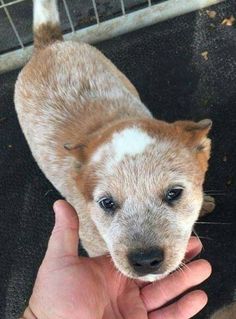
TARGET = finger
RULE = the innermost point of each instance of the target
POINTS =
(159, 293)
(64, 238)
(193, 249)
(185, 308)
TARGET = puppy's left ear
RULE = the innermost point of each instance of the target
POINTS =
(195, 134)
(76, 150)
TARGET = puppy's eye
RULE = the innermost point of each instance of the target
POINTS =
(173, 194)
(107, 204)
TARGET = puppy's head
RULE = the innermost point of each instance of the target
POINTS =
(142, 181)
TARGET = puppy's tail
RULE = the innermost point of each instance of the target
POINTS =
(46, 25)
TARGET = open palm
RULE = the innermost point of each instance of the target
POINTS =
(68, 286)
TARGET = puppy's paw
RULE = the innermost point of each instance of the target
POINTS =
(208, 205)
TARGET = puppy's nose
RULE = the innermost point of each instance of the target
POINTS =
(146, 261)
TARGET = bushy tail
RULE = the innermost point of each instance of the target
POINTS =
(46, 24)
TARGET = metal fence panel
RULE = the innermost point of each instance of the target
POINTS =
(96, 27)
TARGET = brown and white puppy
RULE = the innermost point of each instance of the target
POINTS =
(135, 182)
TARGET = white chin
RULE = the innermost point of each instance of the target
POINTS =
(151, 278)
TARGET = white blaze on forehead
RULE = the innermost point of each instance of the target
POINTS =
(130, 141)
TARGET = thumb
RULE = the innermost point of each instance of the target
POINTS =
(64, 239)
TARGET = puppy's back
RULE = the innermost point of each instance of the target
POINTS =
(46, 29)
(66, 91)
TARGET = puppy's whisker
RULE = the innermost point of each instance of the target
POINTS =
(217, 194)
(195, 233)
(118, 274)
(214, 193)
(212, 223)
(184, 265)
(213, 190)
(203, 237)
(180, 268)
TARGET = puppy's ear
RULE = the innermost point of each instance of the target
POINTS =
(195, 134)
(77, 150)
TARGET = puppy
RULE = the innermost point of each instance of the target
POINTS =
(135, 182)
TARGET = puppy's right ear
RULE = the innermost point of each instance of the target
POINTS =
(194, 134)
(77, 150)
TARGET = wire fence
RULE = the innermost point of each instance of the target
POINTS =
(116, 7)
(88, 20)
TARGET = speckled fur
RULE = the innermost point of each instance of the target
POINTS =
(70, 93)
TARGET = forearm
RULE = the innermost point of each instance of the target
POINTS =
(28, 314)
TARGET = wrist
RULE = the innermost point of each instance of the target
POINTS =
(28, 314)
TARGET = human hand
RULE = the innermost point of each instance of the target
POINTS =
(68, 286)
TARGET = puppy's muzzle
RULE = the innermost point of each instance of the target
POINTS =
(146, 261)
